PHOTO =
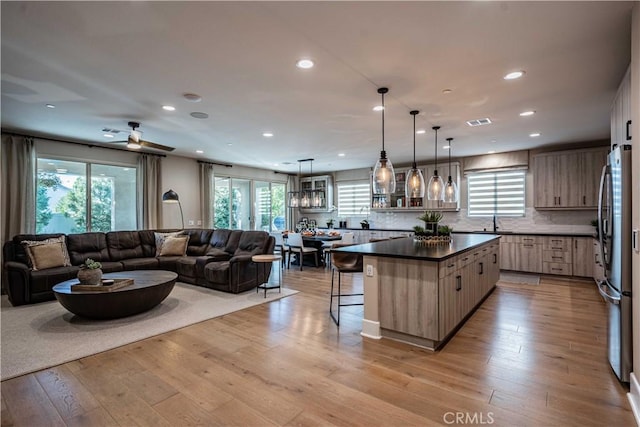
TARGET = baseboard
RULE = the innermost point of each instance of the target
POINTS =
(371, 329)
(634, 397)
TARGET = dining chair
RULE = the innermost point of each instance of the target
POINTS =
(343, 262)
(280, 247)
(296, 246)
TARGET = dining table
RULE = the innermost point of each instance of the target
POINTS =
(316, 241)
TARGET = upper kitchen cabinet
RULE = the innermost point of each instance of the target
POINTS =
(568, 179)
(621, 113)
(319, 188)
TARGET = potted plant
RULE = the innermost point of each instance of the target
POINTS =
(431, 220)
(364, 224)
(444, 230)
(90, 273)
(330, 223)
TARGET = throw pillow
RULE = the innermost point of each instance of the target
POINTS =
(47, 253)
(175, 246)
(161, 237)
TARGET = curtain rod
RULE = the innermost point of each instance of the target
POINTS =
(226, 165)
(86, 144)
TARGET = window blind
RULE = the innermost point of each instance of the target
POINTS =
(353, 198)
(496, 193)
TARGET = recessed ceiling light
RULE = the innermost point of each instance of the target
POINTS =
(446, 91)
(446, 147)
(378, 108)
(304, 64)
(229, 144)
(199, 115)
(108, 135)
(199, 151)
(169, 108)
(514, 75)
(192, 97)
(534, 135)
(341, 154)
(527, 113)
(267, 134)
(479, 122)
(491, 152)
(420, 131)
(275, 164)
(51, 106)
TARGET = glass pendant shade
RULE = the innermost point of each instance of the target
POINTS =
(294, 199)
(435, 188)
(384, 177)
(414, 183)
(450, 191)
(305, 200)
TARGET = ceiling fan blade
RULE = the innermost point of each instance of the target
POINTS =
(149, 144)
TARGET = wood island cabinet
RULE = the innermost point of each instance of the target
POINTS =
(568, 179)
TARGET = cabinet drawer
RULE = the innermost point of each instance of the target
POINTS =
(557, 257)
(557, 243)
(556, 268)
(533, 240)
(448, 266)
(465, 259)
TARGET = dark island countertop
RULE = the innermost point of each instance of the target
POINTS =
(408, 249)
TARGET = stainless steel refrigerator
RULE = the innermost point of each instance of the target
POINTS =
(614, 219)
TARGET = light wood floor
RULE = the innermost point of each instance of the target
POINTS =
(531, 355)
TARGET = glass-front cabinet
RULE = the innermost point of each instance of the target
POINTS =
(316, 194)
(399, 202)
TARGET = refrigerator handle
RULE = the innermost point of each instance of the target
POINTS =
(602, 221)
(605, 291)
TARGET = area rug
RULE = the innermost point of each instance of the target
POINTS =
(39, 336)
(526, 279)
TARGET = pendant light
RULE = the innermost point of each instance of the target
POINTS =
(384, 177)
(315, 194)
(414, 184)
(435, 189)
(450, 188)
(294, 196)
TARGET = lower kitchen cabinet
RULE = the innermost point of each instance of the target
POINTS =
(583, 256)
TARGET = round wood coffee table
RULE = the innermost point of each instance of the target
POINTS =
(149, 288)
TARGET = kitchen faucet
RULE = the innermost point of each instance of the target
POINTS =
(495, 223)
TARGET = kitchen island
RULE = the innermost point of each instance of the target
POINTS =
(421, 293)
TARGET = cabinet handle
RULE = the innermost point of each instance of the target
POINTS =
(527, 246)
(528, 240)
(556, 240)
(628, 130)
(495, 258)
(451, 265)
(559, 200)
(556, 269)
(584, 200)
(481, 268)
(556, 257)
(556, 248)
(458, 283)
(575, 244)
(464, 259)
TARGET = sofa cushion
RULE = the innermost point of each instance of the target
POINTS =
(87, 245)
(217, 254)
(44, 280)
(160, 239)
(124, 245)
(43, 254)
(252, 243)
(233, 241)
(217, 272)
(198, 241)
(19, 254)
(140, 263)
(174, 246)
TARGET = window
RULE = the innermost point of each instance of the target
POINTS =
(61, 197)
(496, 193)
(353, 198)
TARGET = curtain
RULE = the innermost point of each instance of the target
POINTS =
(206, 194)
(18, 186)
(149, 185)
(293, 217)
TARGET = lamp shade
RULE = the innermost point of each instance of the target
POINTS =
(450, 188)
(435, 188)
(384, 177)
(414, 184)
(170, 197)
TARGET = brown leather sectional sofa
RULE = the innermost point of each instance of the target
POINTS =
(218, 259)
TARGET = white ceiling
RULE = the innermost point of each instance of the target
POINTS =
(103, 64)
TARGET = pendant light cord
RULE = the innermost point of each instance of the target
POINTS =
(449, 139)
(414, 113)
(382, 121)
(435, 171)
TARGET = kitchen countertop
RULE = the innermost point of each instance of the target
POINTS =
(505, 232)
(408, 249)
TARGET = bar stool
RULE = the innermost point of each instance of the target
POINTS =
(343, 262)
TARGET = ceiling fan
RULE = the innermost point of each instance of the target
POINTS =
(135, 142)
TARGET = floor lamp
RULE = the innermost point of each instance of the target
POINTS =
(172, 197)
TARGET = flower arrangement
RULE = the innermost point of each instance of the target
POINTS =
(364, 224)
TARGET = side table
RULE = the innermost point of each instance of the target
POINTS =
(265, 259)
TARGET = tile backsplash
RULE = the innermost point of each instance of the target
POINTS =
(534, 220)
